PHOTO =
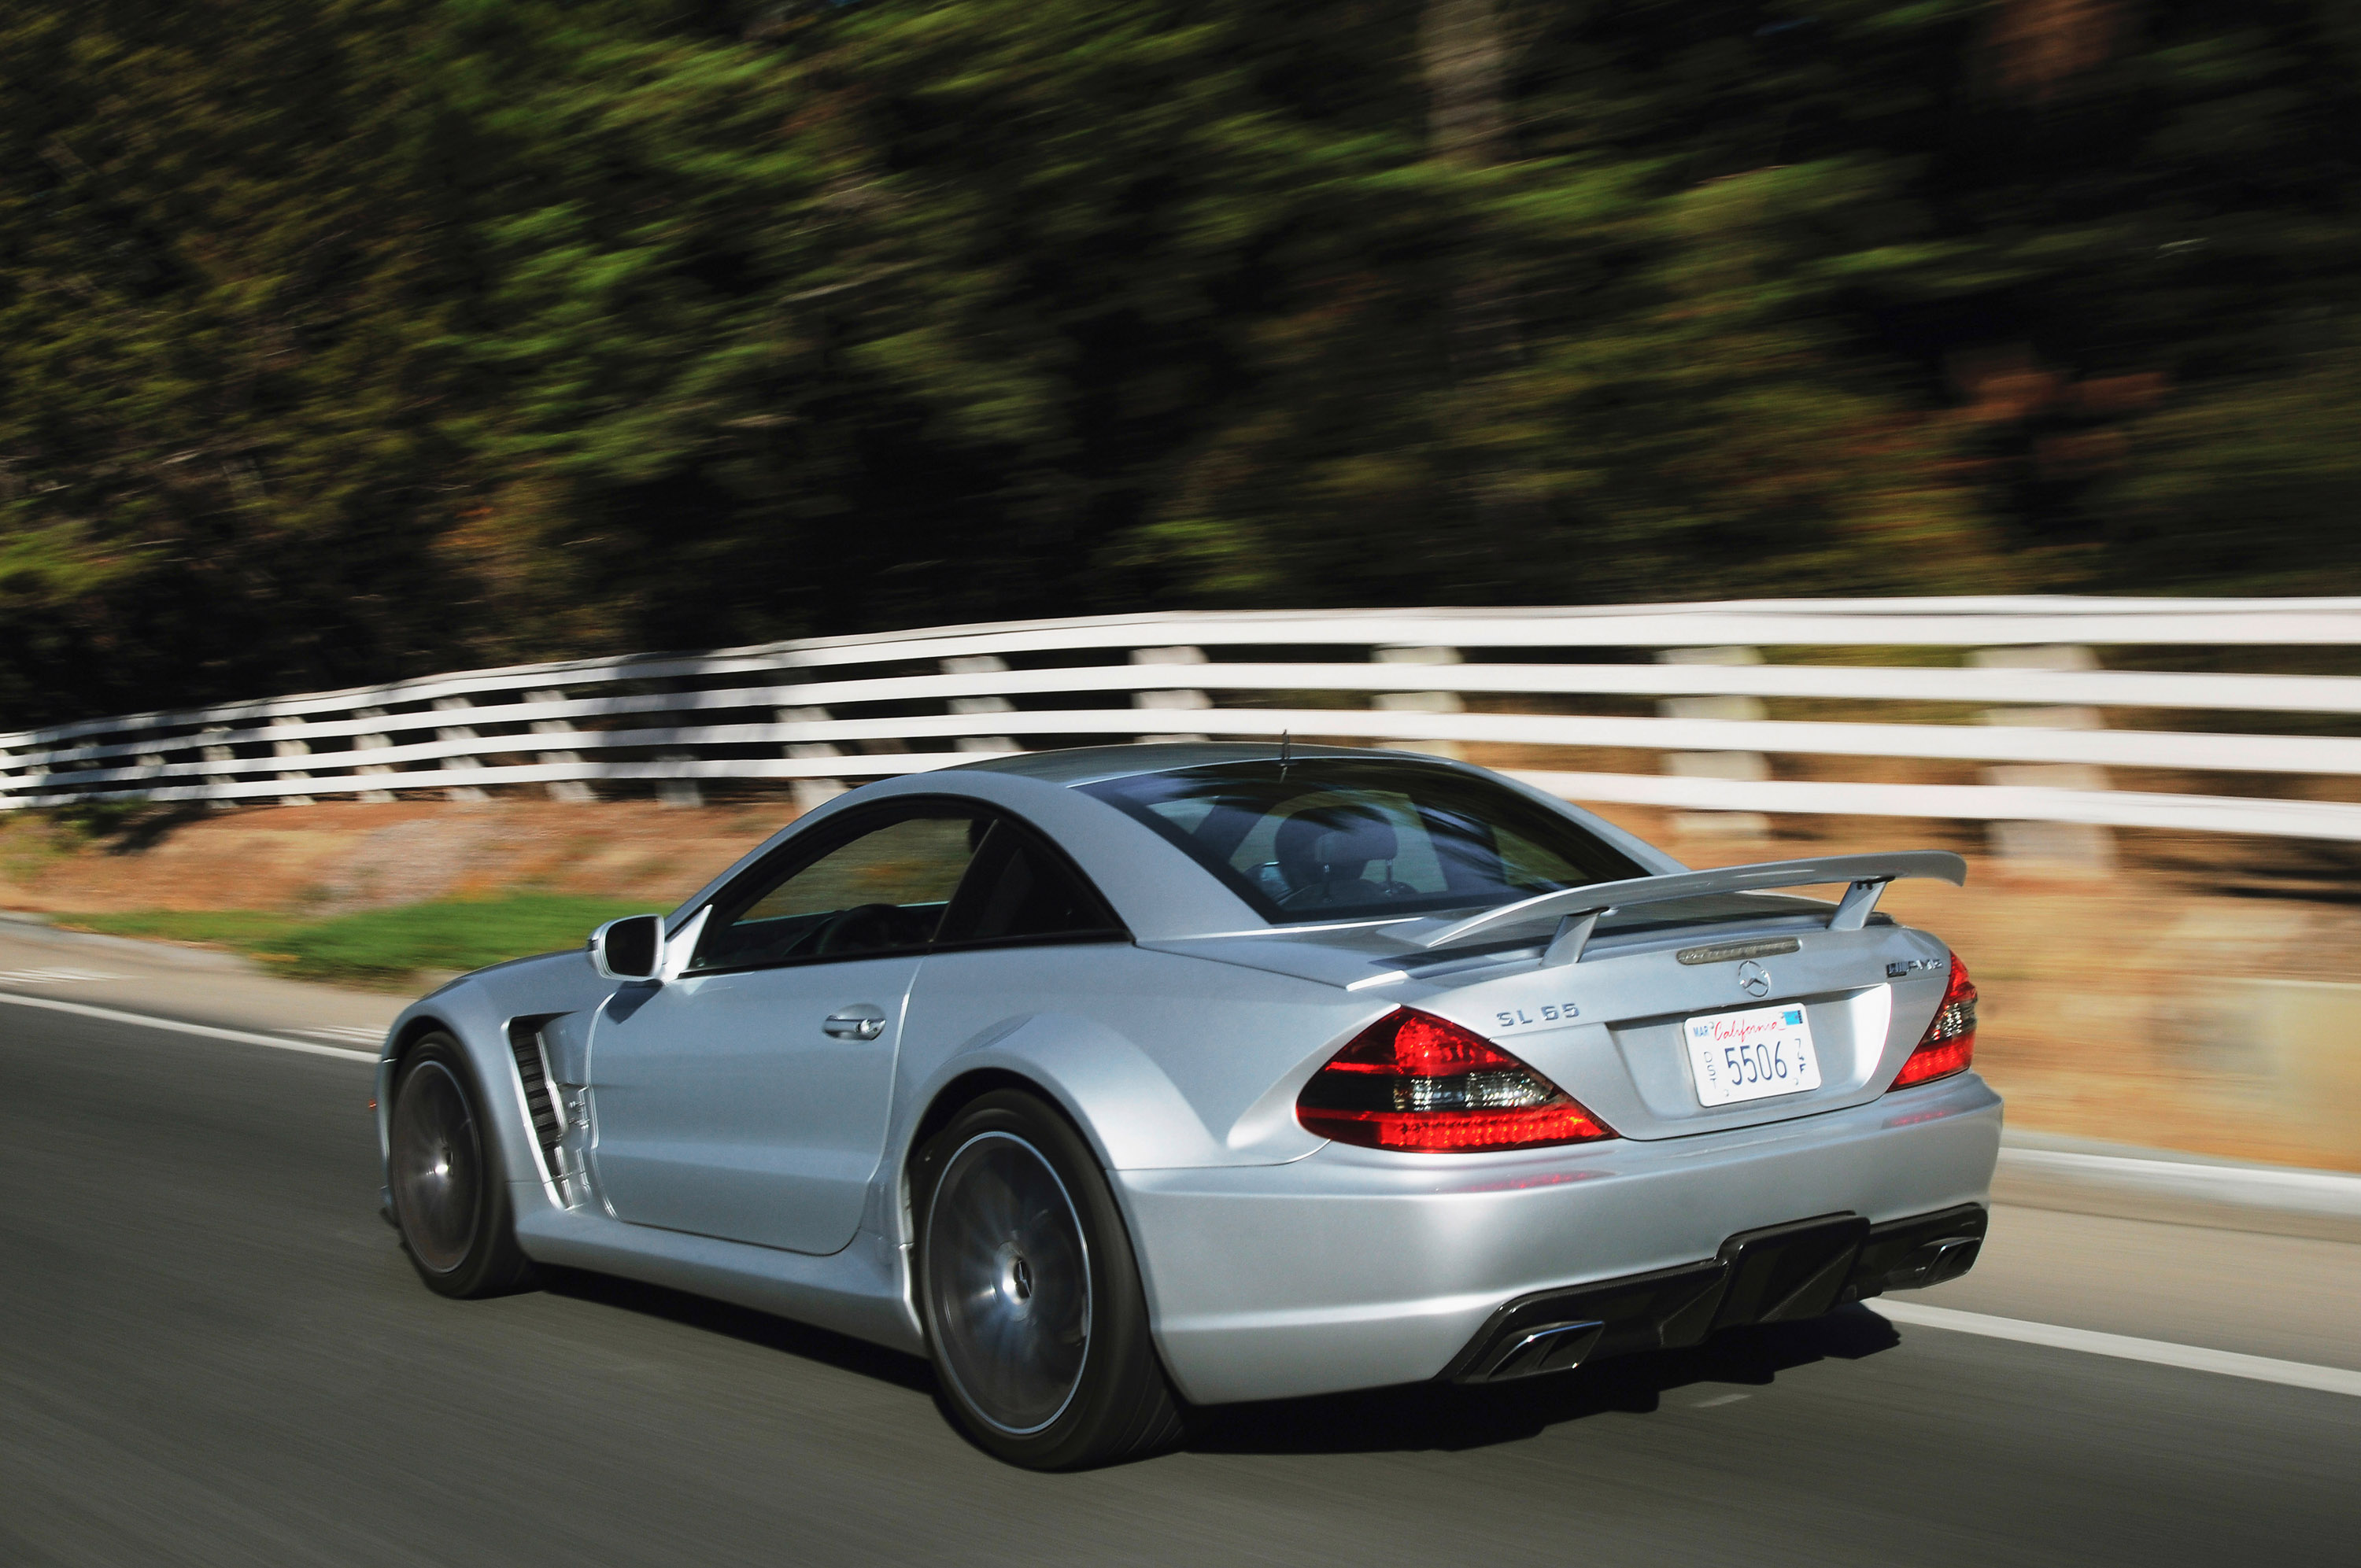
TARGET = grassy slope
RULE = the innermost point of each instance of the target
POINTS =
(383, 944)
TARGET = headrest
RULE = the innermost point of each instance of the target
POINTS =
(1334, 841)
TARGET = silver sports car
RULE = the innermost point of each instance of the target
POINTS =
(1132, 1079)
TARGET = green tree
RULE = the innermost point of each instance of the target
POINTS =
(364, 337)
(217, 373)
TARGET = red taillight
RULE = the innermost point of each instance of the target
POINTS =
(1950, 1043)
(1413, 1081)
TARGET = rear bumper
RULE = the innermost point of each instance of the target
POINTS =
(1777, 1274)
(1354, 1268)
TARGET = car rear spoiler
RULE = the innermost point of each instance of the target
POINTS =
(1577, 909)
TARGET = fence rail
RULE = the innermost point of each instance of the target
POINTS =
(2029, 707)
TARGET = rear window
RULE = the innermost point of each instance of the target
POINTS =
(1333, 838)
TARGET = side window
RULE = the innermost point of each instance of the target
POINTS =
(881, 891)
(1019, 888)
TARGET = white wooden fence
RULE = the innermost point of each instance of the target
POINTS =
(2027, 709)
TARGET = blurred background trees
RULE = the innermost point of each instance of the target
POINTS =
(359, 338)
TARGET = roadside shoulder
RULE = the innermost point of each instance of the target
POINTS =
(160, 980)
(36, 931)
(2082, 1177)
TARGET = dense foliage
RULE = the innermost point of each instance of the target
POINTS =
(357, 338)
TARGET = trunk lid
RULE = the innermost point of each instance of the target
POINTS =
(1610, 1028)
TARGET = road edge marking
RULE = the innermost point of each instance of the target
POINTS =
(207, 1031)
(2331, 1192)
(2160, 1352)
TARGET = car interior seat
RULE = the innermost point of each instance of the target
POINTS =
(1324, 853)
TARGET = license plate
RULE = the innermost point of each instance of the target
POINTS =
(1751, 1055)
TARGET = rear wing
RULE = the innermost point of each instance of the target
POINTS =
(1577, 909)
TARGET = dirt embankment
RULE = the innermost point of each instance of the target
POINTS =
(2139, 1003)
(337, 858)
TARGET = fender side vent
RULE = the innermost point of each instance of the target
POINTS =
(532, 1077)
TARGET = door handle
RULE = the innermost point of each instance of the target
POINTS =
(861, 1021)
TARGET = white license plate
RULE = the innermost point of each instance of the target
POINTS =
(1751, 1055)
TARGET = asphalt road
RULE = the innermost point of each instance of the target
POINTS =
(212, 1352)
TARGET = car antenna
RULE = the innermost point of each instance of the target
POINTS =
(1286, 752)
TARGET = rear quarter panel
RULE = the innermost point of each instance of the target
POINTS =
(1163, 1060)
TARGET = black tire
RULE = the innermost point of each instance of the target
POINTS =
(450, 1190)
(1030, 1294)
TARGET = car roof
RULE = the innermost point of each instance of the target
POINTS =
(1158, 889)
(1093, 764)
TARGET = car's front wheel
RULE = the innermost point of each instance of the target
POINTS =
(1032, 1300)
(450, 1198)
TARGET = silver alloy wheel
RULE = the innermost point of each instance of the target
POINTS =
(438, 1167)
(1008, 1279)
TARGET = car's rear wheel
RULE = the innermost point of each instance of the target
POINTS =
(1032, 1300)
(450, 1197)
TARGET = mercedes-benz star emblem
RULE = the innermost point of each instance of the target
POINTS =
(1753, 979)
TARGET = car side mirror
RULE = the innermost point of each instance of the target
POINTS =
(629, 948)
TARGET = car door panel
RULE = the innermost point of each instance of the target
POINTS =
(748, 1098)
(725, 1106)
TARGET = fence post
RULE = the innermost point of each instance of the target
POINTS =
(1420, 702)
(559, 789)
(1746, 767)
(677, 791)
(980, 664)
(215, 777)
(372, 743)
(809, 794)
(2082, 844)
(457, 732)
(1174, 700)
(290, 749)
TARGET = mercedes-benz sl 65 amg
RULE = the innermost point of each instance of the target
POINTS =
(1129, 1079)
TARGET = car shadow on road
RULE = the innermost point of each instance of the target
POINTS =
(1411, 1417)
(1427, 1416)
(743, 1323)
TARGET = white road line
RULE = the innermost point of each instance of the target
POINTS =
(339, 1032)
(2161, 1353)
(207, 1031)
(51, 976)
